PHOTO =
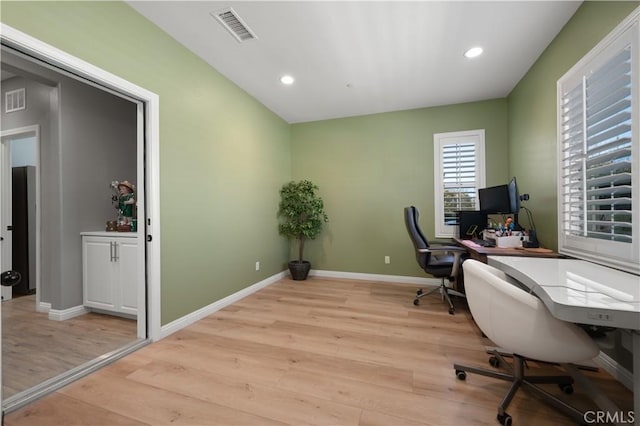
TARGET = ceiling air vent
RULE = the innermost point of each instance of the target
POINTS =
(14, 100)
(232, 22)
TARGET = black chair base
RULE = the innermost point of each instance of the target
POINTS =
(517, 378)
(446, 293)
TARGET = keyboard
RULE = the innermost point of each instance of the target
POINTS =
(483, 243)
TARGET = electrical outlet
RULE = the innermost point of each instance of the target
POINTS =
(257, 266)
(387, 259)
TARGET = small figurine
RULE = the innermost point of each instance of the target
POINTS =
(509, 223)
(125, 200)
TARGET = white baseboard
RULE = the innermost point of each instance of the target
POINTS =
(65, 314)
(189, 319)
(44, 307)
(394, 279)
(7, 293)
(616, 370)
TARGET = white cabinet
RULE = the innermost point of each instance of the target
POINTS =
(109, 271)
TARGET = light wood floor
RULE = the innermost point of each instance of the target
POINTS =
(35, 348)
(319, 352)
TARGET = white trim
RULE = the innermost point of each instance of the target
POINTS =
(201, 313)
(154, 290)
(440, 140)
(65, 314)
(394, 279)
(44, 307)
(50, 54)
(609, 253)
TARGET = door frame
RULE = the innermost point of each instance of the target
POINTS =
(149, 242)
(6, 136)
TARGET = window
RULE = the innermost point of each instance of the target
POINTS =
(459, 172)
(598, 174)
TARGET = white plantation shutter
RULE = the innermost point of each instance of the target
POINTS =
(459, 172)
(459, 179)
(597, 141)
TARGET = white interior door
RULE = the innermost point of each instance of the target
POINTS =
(6, 213)
(4, 157)
(29, 135)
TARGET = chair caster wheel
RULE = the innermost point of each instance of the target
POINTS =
(419, 292)
(494, 361)
(505, 419)
(416, 302)
(566, 388)
(452, 311)
(461, 375)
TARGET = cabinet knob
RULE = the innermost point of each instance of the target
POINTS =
(149, 238)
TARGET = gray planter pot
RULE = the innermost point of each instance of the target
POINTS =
(299, 270)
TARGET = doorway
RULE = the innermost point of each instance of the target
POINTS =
(144, 110)
(19, 154)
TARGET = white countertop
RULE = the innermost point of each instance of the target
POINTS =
(578, 290)
(109, 234)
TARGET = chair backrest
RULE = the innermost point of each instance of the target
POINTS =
(518, 321)
(418, 239)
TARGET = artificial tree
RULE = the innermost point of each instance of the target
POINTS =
(302, 213)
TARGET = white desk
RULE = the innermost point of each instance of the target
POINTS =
(583, 292)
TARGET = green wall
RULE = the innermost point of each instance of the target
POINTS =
(369, 168)
(223, 155)
(532, 109)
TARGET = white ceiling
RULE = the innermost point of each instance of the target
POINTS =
(353, 58)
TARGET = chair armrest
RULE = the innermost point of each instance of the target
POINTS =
(455, 250)
(443, 249)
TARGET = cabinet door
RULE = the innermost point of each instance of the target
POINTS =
(97, 273)
(126, 279)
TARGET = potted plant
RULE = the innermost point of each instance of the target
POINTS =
(302, 213)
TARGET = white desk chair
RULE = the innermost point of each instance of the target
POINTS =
(519, 323)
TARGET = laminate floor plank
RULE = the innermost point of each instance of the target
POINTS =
(35, 348)
(266, 401)
(155, 405)
(269, 363)
(83, 414)
(324, 352)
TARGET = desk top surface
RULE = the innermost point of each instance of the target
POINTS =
(577, 290)
(506, 251)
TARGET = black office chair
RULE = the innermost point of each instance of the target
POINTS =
(438, 260)
(10, 278)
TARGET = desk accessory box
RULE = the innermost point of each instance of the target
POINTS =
(511, 241)
(505, 241)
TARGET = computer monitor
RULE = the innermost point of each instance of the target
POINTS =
(471, 224)
(494, 199)
(514, 197)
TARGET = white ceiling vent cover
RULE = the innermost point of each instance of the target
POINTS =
(234, 24)
(15, 100)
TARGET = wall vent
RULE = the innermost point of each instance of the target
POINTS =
(15, 100)
(234, 24)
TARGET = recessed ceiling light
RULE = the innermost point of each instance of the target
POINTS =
(287, 79)
(473, 52)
